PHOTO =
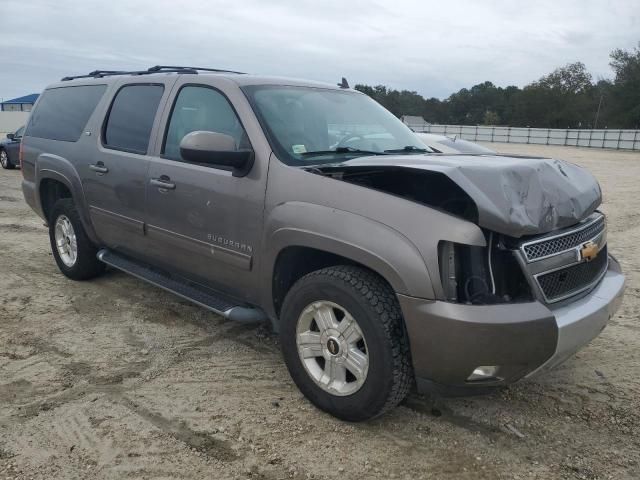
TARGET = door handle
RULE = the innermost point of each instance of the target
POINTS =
(99, 168)
(163, 183)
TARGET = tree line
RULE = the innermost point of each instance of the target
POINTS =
(568, 97)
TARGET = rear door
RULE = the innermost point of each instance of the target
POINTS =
(114, 179)
(202, 222)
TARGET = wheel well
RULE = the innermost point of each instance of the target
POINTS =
(50, 192)
(294, 263)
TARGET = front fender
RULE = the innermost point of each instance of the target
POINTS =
(363, 240)
(58, 168)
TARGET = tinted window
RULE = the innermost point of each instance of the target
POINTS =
(131, 117)
(62, 113)
(201, 108)
(19, 132)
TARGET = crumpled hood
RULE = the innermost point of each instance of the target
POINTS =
(515, 195)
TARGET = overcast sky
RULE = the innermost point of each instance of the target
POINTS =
(434, 47)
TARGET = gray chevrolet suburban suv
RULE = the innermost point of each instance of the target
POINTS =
(379, 262)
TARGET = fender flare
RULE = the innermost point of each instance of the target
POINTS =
(363, 240)
(54, 167)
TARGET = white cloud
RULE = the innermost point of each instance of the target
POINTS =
(433, 47)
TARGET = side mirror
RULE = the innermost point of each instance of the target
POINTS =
(218, 149)
(11, 136)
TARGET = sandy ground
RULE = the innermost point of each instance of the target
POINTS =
(114, 378)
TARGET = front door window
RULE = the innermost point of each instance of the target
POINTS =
(201, 109)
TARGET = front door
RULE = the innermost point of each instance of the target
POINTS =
(203, 223)
(114, 177)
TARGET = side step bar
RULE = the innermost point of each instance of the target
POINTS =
(199, 295)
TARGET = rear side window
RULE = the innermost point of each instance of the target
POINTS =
(62, 113)
(131, 118)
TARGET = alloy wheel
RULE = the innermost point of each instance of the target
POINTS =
(332, 348)
(66, 241)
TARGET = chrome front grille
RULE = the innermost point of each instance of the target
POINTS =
(568, 281)
(546, 247)
(558, 265)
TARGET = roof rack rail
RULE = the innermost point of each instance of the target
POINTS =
(96, 74)
(156, 69)
(161, 68)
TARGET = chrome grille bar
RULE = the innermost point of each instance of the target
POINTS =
(557, 266)
(546, 247)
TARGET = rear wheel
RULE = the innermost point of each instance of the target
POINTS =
(4, 160)
(73, 251)
(344, 342)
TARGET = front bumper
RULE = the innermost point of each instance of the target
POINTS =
(581, 321)
(449, 341)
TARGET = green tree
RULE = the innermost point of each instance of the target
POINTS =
(573, 78)
(567, 95)
(626, 87)
(564, 98)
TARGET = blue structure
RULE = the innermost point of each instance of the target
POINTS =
(20, 104)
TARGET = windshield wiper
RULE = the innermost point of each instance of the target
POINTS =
(409, 149)
(342, 150)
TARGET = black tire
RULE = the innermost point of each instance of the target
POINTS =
(86, 266)
(372, 302)
(5, 161)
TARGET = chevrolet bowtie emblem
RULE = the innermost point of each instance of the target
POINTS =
(589, 251)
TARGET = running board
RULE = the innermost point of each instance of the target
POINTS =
(198, 295)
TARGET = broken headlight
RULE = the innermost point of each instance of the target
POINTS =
(481, 275)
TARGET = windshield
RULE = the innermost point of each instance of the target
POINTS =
(310, 126)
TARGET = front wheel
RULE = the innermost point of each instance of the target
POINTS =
(73, 251)
(344, 342)
(4, 160)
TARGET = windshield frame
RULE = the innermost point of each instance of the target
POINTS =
(323, 158)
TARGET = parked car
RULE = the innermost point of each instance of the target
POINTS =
(378, 262)
(9, 149)
(447, 144)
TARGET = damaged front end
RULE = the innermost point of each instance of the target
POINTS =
(550, 268)
(514, 200)
(529, 285)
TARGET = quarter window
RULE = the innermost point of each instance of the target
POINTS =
(131, 118)
(62, 113)
(201, 109)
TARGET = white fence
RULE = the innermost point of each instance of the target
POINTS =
(11, 121)
(618, 139)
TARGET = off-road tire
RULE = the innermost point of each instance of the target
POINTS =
(87, 266)
(5, 161)
(372, 302)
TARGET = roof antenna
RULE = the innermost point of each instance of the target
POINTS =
(343, 83)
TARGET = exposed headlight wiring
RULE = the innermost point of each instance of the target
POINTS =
(493, 282)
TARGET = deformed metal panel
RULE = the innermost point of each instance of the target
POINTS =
(514, 195)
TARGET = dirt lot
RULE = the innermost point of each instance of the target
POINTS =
(114, 378)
